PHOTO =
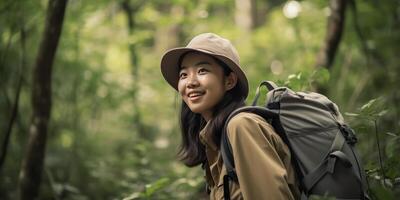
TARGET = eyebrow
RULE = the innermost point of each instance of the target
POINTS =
(197, 64)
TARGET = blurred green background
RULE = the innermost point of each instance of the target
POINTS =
(114, 131)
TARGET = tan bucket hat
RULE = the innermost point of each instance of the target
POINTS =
(208, 43)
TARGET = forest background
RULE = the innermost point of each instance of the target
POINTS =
(86, 114)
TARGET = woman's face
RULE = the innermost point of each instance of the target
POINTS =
(202, 83)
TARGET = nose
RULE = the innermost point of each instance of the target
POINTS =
(192, 81)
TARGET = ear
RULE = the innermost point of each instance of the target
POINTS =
(230, 81)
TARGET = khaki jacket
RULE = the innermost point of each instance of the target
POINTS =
(262, 162)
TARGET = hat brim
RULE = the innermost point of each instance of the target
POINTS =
(170, 68)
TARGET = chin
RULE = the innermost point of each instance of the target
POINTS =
(195, 109)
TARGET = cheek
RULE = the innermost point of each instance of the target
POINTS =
(181, 87)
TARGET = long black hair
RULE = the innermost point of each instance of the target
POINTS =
(192, 151)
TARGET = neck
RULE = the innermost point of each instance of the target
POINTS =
(206, 116)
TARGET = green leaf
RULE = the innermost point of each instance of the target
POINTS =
(383, 112)
(368, 105)
(156, 186)
(299, 76)
(292, 76)
(321, 75)
(352, 114)
(391, 134)
(374, 109)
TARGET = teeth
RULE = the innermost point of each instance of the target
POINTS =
(194, 94)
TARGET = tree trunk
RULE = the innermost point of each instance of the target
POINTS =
(130, 11)
(169, 36)
(245, 14)
(334, 33)
(14, 111)
(32, 164)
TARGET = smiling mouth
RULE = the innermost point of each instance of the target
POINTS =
(195, 95)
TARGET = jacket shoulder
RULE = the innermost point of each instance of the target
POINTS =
(246, 120)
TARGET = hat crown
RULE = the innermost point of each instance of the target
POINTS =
(215, 44)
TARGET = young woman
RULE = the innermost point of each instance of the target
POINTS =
(208, 76)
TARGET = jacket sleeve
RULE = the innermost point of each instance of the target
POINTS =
(261, 158)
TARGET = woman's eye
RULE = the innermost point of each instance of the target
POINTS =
(182, 75)
(202, 71)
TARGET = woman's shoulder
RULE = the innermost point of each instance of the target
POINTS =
(247, 120)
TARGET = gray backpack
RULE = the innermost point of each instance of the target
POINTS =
(321, 144)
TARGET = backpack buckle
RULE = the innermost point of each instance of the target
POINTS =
(348, 134)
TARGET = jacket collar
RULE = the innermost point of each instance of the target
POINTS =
(206, 138)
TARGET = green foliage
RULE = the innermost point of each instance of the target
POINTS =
(383, 177)
(371, 110)
(306, 80)
(150, 189)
